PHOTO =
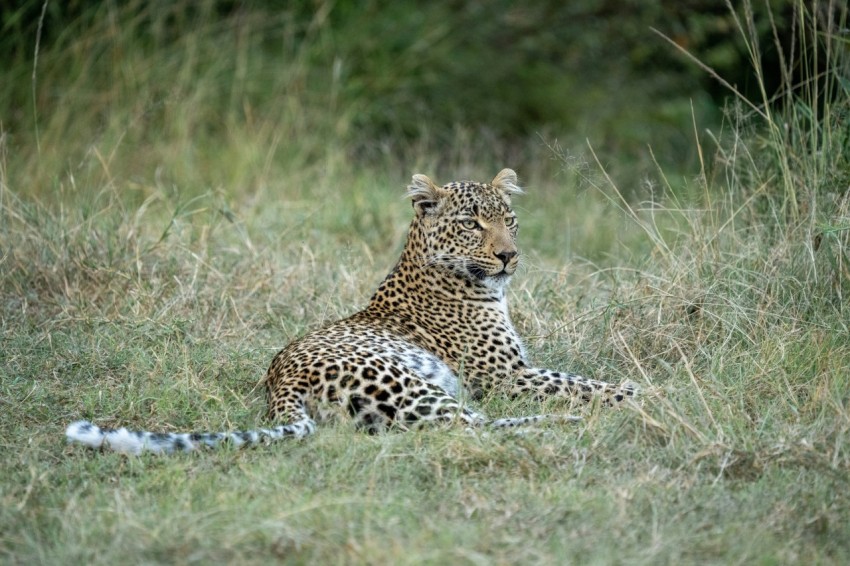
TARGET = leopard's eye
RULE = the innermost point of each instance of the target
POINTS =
(470, 224)
(510, 221)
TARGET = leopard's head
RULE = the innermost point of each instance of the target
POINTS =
(466, 228)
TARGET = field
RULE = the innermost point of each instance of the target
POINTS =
(158, 245)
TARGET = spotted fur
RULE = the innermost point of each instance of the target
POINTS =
(438, 323)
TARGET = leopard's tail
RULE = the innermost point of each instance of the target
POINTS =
(138, 441)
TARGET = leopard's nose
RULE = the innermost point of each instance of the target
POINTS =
(506, 256)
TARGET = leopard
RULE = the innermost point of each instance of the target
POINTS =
(435, 337)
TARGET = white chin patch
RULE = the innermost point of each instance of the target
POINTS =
(497, 282)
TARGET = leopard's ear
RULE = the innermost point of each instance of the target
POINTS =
(506, 181)
(425, 194)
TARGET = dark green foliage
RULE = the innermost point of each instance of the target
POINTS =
(388, 72)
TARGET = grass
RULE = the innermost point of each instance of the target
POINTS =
(149, 274)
